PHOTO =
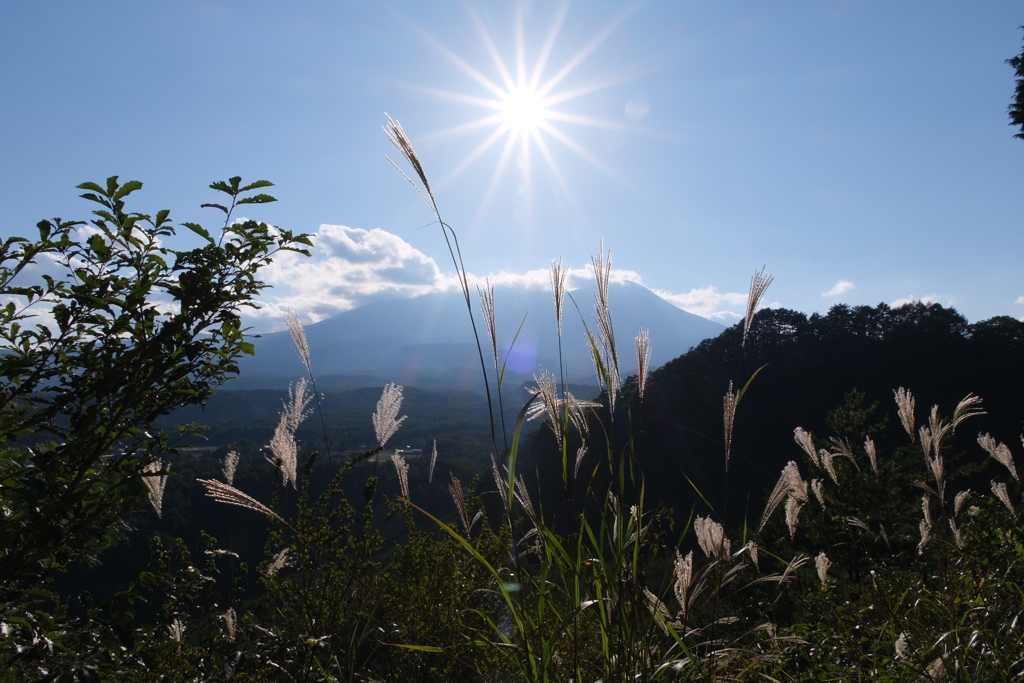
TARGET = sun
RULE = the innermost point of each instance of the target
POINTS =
(523, 97)
(523, 111)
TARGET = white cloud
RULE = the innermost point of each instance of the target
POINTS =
(841, 287)
(1020, 300)
(350, 267)
(944, 299)
(709, 303)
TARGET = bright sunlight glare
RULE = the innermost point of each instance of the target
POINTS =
(523, 110)
(524, 103)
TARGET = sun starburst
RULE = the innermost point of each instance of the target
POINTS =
(524, 99)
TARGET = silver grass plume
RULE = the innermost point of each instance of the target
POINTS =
(844, 450)
(298, 398)
(230, 465)
(728, 420)
(937, 427)
(229, 495)
(176, 630)
(711, 537)
(752, 551)
(155, 480)
(230, 623)
(999, 489)
(926, 524)
(547, 392)
(401, 141)
(286, 452)
(433, 461)
(658, 610)
(298, 332)
(793, 507)
(281, 560)
(925, 435)
(684, 578)
(595, 357)
(531, 548)
(643, 361)
(580, 453)
(822, 564)
(959, 500)
(487, 309)
(500, 481)
(791, 568)
(523, 496)
(804, 440)
(826, 462)
(385, 418)
(558, 275)
(602, 314)
(937, 669)
(869, 447)
(905, 405)
(282, 444)
(455, 489)
(789, 485)
(578, 413)
(931, 440)
(958, 540)
(854, 521)
(402, 470)
(999, 451)
(969, 407)
(758, 285)
(819, 491)
(575, 408)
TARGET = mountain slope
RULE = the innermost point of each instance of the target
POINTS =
(428, 341)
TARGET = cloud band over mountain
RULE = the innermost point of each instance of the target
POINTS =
(351, 267)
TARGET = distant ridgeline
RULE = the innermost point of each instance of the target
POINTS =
(427, 341)
(810, 364)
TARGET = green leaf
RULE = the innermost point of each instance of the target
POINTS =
(127, 189)
(418, 648)
(257, 199)
(739, 396)
(200, 230)
(98, 246)
(93, 187)
(256, 185)
(214, 206)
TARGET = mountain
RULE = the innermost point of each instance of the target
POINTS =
(427, 341)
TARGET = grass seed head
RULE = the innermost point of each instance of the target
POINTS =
(758, 286)
(385, 419)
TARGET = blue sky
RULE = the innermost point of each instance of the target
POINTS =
(860, 149)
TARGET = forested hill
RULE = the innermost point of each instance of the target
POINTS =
(810, 363)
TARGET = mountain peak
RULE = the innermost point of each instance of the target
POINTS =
(428, 340)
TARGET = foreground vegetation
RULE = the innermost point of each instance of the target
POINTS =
(865, 557)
